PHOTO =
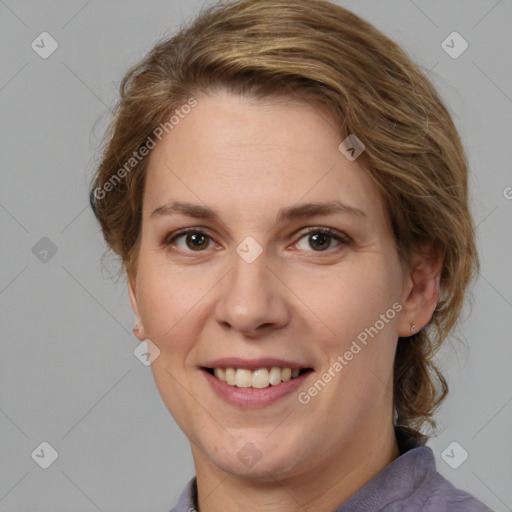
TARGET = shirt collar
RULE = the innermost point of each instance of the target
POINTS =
(187, 501)
(397, 482)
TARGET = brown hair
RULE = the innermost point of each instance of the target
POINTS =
(325, 54)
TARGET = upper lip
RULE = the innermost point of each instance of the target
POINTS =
(253, 364)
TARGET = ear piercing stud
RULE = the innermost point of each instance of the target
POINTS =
(136, 330)
(413, 327)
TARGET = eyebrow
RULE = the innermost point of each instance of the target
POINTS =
(285, 214)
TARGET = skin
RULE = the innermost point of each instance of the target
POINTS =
(247, 159)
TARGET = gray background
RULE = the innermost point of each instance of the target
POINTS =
(68, 375)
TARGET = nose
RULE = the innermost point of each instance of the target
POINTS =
(252, 299)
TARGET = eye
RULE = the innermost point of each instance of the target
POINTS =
(320, 239)
(194, 240)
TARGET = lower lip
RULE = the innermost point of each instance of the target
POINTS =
(252, 397)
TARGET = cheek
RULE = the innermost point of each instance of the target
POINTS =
(360, 306)
(352, 299)
(172, 308)
(171, 305)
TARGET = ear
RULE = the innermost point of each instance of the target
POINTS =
(421, 290)
(138, 330)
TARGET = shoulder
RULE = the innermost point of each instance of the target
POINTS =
(411, 483)
(427, 489)
(438, 495)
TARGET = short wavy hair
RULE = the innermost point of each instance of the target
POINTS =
(325, 54)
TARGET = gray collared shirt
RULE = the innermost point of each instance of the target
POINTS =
(410, 483)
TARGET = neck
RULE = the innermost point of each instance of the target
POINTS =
(325, 486)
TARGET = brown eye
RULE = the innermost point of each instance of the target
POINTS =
(194, 240)
(320, 239)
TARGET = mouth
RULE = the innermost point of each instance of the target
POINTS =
(260, 378)
(255, 388)
(254, 383)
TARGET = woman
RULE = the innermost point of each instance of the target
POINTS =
(288, 195)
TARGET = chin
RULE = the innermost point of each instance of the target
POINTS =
(262, 460)
(264, 470)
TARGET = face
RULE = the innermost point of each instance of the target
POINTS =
(288, 262)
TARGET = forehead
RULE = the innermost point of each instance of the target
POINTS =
(249, 155)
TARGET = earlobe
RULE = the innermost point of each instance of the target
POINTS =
(423, 291)
(138, 329)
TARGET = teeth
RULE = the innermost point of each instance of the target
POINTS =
(275, 376)
(220, 374)
(243, 378)
(259, 379)
(230, 376)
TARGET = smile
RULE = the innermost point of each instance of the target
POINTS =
(259, 379)
(260, 384)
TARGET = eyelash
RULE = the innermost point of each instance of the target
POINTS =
(342, 238)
